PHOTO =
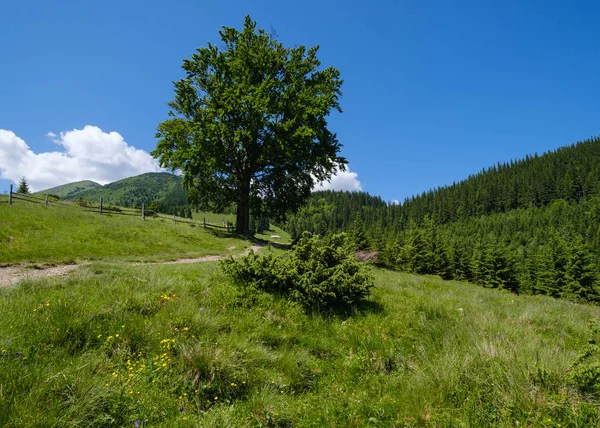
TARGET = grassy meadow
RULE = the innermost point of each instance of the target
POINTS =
(284, 237)
(180, 345)
(35, 233)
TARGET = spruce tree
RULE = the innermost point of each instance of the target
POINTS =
(580, 273)
(23, 187)
(358, 234)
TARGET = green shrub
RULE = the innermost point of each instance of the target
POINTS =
(585, 371)
(318, 273)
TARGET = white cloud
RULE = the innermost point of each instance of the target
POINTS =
(395, 202)
(88, 154)
(341, 180)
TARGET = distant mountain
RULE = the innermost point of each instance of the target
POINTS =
(158, 188)
(69, 190)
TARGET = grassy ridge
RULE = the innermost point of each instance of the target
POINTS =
(70, 189)
(38, 234)
(178, 345)
(132, 191)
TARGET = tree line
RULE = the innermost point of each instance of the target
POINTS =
(528, 226)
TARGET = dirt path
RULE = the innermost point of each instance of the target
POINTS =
(254, 248)
(11, 275)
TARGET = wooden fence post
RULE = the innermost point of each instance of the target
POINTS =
(142, 211)
(10, 196)
(204, 222)
(46, 199)
(100, 206)
(227, 225)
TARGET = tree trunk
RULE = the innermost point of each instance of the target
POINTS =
(243, 217)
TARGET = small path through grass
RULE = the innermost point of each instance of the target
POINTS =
(12, 275)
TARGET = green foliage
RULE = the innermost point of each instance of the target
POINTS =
(550, 247)
(23, 187)
(160, 191)
(331, 212)
(585, 371)
(570, 173)
(248, 124)
(258, 224)
(316, 273)
(358, 234)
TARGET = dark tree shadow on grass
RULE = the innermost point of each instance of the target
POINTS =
(222, 233)
(357, 309)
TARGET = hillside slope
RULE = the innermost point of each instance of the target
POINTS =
(35, 233)
(70, 190)
(179, 345)
(571, 173)
(531, 226)
(157, 187)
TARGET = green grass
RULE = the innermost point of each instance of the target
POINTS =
(284, 237)
(116, 344)
(213, 218)
(266, 236)
(56, 234)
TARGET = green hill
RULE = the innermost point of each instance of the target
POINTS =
(70, 190)
(182, 345)
(160, 188)
(34, 233)
(529, 226)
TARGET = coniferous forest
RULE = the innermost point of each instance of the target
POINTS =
(530, 226)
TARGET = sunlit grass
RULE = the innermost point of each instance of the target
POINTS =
(275, 235)
(213, 218)
(56, 234)
(178, 345)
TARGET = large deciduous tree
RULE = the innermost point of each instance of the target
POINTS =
(248, 124)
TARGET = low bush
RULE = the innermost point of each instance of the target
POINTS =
(318, 273)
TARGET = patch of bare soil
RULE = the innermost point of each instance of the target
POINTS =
(11, 275)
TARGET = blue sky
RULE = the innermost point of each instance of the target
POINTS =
(433, 91)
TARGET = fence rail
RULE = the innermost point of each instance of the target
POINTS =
(110, 210)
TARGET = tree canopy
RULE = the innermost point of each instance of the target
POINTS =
(248, 124)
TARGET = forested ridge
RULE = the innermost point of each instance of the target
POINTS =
(529, 226)
(161, 192)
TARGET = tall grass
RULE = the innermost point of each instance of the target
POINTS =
(178, 345)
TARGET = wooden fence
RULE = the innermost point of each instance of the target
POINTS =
(102, 209)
